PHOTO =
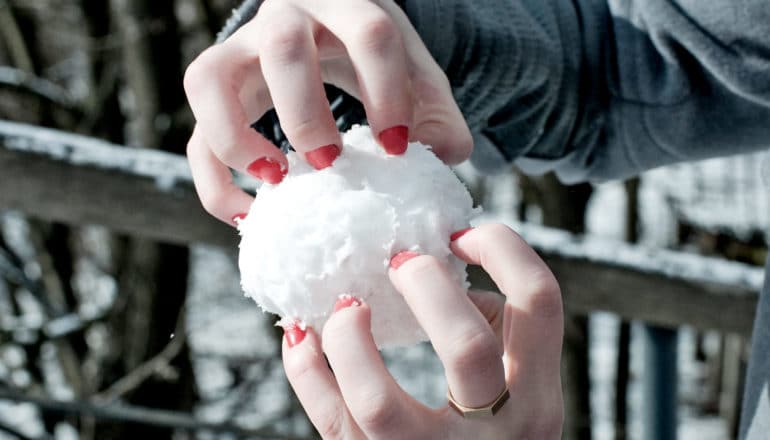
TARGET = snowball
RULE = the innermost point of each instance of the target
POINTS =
(320, 234)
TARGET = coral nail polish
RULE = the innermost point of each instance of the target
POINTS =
(458, 234)
(268, 170)
(323, 157)
(401, 258)
(294, 334)
(345, 301)
(238, 217)
(394, 139)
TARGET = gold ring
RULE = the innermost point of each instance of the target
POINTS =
(481, 411)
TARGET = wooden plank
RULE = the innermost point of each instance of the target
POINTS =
(79, 180)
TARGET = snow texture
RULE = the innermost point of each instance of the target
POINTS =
(321, 234)
(166, 168)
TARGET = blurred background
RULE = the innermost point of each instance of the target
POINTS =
(121, 314)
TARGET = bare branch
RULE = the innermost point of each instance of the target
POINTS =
(40, 87)
(147, 369)
(16, 433)
(136, 414)
(11, 33)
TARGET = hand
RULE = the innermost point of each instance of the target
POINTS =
(281, 59)
(485, 342)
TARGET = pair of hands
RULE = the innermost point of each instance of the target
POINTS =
(280, 59)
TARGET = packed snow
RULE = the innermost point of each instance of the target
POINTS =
(320, 234)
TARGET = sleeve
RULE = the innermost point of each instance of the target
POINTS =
(598, 89)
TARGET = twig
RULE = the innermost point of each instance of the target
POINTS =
(147, 369)
(137, 414)
(11, 33)
(16, 433)
(40, 87)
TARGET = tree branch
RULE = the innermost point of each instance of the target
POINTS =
(40, 87)
(147, 369)
(16, 433)
(11, 33)
(136, 414)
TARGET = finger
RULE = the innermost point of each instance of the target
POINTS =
(379, 406)
(438, 121)
(490, 304)
(214, 183)
(374, 45)
(534, 326)
(314, 384)
(461, 335)
(214, 83)
(291, 68)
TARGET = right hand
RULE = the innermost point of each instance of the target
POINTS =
(486, 342)
(281, 58)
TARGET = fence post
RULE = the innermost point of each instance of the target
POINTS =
(659, 383)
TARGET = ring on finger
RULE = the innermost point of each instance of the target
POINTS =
(482, 411)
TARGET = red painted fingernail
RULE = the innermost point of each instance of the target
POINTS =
(294, 334)
(458, 234)
(238, 217)
(345, 301)
(401, 258)
(267, 169)
(394, 139)
(323, 157)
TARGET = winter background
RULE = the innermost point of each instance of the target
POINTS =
(232, 347)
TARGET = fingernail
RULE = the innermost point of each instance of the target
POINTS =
(294, 334)
(344, 301)
(237, 218)
(401, 258)
(394, 139)
(267, 170)
(459, 234)
(323, 157)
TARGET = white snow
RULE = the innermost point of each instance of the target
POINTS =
(320, 234)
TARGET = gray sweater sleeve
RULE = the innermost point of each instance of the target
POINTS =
(599, 89)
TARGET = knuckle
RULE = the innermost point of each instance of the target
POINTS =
(197, 72)
(212, 201)
(474, 353)
(376, 33)
(544, 294)
(378, 413)
(330, 424)
(285, 44)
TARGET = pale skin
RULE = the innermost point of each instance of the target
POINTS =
(281, 59)
(486, 341)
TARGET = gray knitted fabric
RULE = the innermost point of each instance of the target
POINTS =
(600, 89)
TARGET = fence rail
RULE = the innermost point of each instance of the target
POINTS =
(80, 180)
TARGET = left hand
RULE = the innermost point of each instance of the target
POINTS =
(486, 342)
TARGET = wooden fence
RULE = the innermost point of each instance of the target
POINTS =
(78, 180)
